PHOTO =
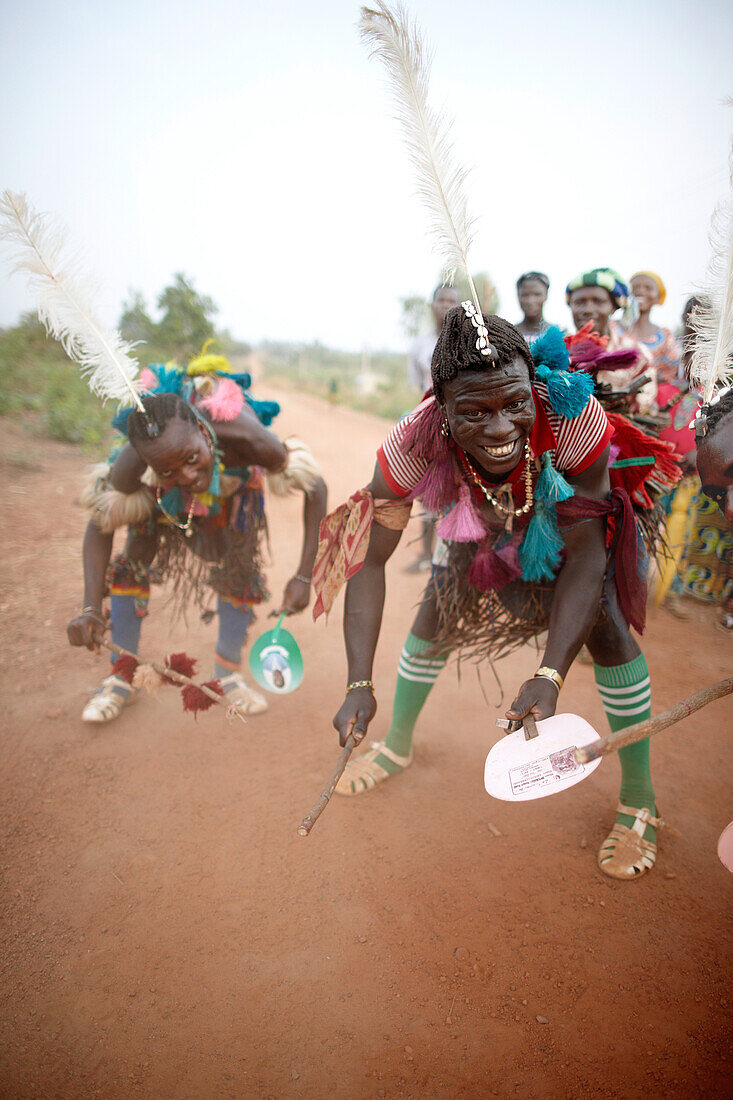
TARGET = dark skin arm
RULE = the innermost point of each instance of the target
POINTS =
(88, 628)
(575, 600)
(363, 609)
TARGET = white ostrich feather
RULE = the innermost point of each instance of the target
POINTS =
(64, 302)
(440, 181)
(711, 363)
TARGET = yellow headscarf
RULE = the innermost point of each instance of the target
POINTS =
(655, 278)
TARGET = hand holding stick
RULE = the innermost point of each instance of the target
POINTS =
(650, 726)
(310, 818)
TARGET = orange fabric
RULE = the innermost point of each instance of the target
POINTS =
(343, 540)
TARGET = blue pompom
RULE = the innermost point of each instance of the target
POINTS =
(119, 420)
(551, 486)
(540, 552)
(170, 379)
(568, 392)
(549, 350)
(266, 411)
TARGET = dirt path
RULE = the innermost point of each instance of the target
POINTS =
(165, 932)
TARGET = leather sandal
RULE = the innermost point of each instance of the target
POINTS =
(624, 853)
(108, 703)
(364, 773)
(237, 690)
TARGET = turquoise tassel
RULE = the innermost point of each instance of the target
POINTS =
(551, 486)
(540, 552)
(568, 392)
(549, 350)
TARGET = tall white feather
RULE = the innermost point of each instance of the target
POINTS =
(64, 303)
(712, 359)
(440, 182)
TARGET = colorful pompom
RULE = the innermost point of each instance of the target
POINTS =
(549, 350)
(194, 699)
(124, 667)
(569, 392)
(181, 663)
(226, 402)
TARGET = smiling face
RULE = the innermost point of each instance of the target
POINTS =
(646, 292)
(532, 295)
(592, 303)
(491, 414)
(181, 457)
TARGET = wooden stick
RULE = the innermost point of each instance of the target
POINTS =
(312, 816)
(650, 726)
(178, 677)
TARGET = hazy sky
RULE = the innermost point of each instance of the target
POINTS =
(250, 145)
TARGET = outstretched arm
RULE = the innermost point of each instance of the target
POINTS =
(363, 619)
(88, 628)
(575, 600)
(298, 589)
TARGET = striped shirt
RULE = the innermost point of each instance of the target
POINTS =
(574, 445)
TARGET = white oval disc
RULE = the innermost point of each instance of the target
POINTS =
(518, 770)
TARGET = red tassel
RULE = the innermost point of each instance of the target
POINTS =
(180, 663)
(194, 699)
(489, 572)
(462, 523)
(632, 442)
(124, 667)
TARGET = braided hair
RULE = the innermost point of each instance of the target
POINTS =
(456, 348)
(160, 409)
(714, 414)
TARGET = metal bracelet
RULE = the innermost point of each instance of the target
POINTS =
(544, 672)
(301, 578)
(360, 684)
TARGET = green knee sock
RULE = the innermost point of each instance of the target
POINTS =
(626, 694)
(416, 676)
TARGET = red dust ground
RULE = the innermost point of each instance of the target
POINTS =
(166, 932)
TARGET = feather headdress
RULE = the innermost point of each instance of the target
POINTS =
(440, 181)
(711, 365)
(64, 303)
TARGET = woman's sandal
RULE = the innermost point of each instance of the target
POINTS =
(108, 704)
(624, 853)
(364, 773)
(237, 690)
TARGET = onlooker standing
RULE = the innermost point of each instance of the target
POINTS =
(421, 353)
(650, 291)
(532, 288)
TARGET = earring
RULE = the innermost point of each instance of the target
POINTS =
(445, 428)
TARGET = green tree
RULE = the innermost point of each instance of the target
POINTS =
(136, 324)
(186, 323)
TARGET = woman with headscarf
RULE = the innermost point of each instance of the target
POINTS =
(649, 291)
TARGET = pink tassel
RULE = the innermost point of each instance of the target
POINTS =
(437, 487)
(147, 379)
(489, 572)
(463, 523)
(226, 402)
(423, 437)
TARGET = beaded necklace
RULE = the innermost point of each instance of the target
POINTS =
(502, 508)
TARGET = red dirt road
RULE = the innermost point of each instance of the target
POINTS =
(166, 932)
